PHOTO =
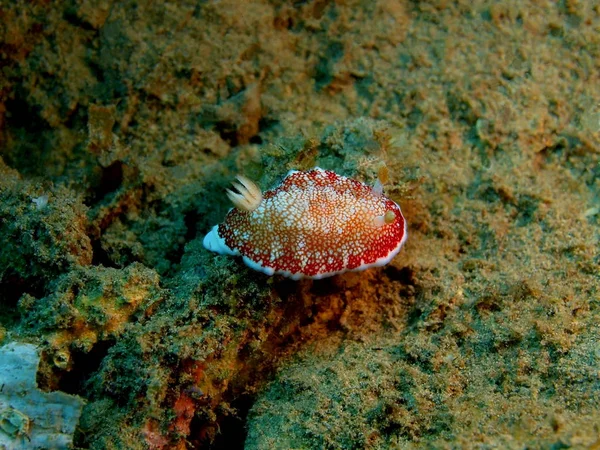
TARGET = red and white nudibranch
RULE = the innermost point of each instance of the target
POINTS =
(315, 224)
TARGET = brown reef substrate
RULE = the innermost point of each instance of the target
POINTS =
(122, 123)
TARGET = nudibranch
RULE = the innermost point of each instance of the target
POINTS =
(315, 224)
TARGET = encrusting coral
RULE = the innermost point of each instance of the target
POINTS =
(87, 306)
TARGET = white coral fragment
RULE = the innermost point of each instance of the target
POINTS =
(29, 417)
(40, 202)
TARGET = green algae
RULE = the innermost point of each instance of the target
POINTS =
(44, 232)
(88, 305)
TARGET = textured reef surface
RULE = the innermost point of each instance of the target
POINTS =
(121, 126)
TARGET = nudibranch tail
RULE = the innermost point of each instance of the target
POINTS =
(249, 196)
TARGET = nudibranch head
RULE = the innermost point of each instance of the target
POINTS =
(313, 225)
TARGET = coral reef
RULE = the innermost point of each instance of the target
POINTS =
(123, 123)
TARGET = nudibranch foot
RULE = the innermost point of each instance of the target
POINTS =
(315, 224)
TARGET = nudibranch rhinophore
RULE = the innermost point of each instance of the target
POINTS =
(315, 224)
